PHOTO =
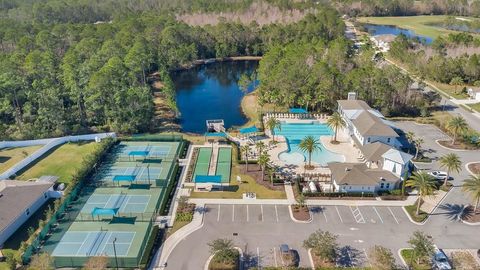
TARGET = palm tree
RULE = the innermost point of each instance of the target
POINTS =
(472, 186)
(245, 149)
(425, 185)
(456, 81)
(410, 138)
(263, 160)
(456, 125)
(273, 123)
(418, 144)
(260, 147)
(309, 144)
(451, 162)
(336, 121)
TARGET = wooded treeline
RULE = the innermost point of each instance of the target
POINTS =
(314, 75)
(408, 7)
(66, 78)
(451, 60)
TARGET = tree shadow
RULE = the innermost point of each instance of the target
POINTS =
(455, 212)
(202, 210)
(317, 209)
(250, 260)
(348, 256)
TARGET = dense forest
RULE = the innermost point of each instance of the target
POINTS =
(316, 75)
(63, 78)
(451, 60)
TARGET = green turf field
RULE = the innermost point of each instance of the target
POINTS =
(224, 163)
(203, 161)
(10, 156)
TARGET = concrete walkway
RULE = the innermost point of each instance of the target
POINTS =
(164, 251)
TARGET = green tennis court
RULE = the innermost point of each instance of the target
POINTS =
(203, 161)
(131, 173)
(125, 203)
(94, 243)
(224, 163)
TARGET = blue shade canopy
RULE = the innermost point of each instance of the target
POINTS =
(297, 110)
(217, 179)
(139, 153)
(251, 129)
(216, 134)
(129, 178)
(97, 211)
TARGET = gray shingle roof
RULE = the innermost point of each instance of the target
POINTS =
(369, 125)
(16, 196)
(358, 174)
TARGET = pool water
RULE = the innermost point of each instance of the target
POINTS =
(295, 132)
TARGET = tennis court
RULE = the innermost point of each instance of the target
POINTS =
(203, 161)
(94, 243)
(131, 151)
(224, 163)
(131, 173)
(123, 202)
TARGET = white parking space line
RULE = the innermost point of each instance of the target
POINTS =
(378, 214)
(391, 212)
(357, 214)
(276, 212)
(261, 209)
(218, 214)
(233, 212)
(258, 258)
(247, 212)
(275, 257)
(324, 215)
(338, 212)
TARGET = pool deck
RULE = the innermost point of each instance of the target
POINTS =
(345, 148)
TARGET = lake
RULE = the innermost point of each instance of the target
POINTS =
(379, 29)
(211, 91)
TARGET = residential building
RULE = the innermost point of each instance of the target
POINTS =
(474, 93)
(366, 125)
(19, 200)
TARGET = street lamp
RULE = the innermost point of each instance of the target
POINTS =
(115, 253)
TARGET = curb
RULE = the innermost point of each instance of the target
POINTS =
(401, 257)
(468, 170)
(428, 214)
(299, 221)
(451, 149)
(310, 257)
(470, 223)
(240, 252)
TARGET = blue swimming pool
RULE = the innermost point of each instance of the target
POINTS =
(295, 132)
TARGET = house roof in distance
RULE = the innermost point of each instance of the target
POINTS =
(358, 174)
(16, 196)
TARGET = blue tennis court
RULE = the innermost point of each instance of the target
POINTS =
(96, 243)
(125, 203)
(130, 174)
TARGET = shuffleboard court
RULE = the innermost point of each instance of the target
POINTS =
(203, 161)
(224, 164)
(94, 243)
(123, 202)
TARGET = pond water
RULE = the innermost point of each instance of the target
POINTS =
(380, 29)
(211, 92)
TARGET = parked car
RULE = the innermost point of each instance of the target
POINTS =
(439, 175)
(290, 257)
(440, 260)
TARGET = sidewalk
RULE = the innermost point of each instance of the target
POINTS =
(164, 251)
(311, 202)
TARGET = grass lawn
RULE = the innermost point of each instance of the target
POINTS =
(412, 209)
(235, 190)
(419, 24)
(62, 162)
(450, 89)
(10, 156)
(252, 110)
(407, 257)
(475, 106)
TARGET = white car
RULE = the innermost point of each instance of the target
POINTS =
(439, 175)
(440, 260)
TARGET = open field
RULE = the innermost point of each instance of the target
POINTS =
(419, 24)
(62, 162)
(10, 156)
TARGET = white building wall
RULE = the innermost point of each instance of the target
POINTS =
(395, 167)
(17, 223)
